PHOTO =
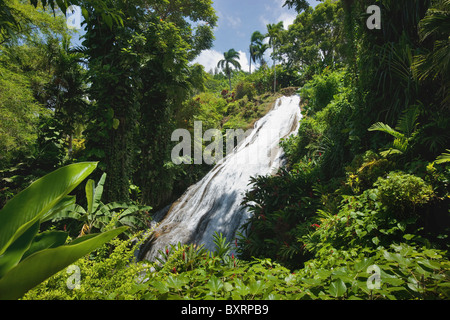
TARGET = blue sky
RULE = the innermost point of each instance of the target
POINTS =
(238, 19)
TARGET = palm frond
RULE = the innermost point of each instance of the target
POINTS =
(379, 126)
(389, 152)
(443, 158)
(408, 121)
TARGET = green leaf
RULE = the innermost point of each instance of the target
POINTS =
(379, 126)
(175, 282)
(116, 123)
(397, 258)
(214, 284)
(337, 288)
(75, 212)
(85, 13)
(375, 240)
(256, 287)
(45, 240)
(61, 206)
(160, 286)
(98, 192)
(108, 19)
(228, 286)
(15, 251)
(43, 264)
(241, 288)
(89, 189)
(363, 264)
(27, 207)
(429, 264)
(290, 280)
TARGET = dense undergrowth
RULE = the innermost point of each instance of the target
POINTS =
(190, 272)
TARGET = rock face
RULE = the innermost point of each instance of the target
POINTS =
(214, 203)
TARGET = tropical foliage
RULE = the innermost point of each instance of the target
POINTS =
(193, 273)
(359, 211)
(27, 256)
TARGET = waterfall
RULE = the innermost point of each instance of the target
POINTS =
(214, 203)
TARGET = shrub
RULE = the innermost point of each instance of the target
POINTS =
(110, 272)
(319, 92)
(402, 272)
(280, 205)
(402, 193)
(365, 170)
(243, 89)
(373, 218)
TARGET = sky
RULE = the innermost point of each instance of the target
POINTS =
(238, 19)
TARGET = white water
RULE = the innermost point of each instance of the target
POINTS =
(213, 204)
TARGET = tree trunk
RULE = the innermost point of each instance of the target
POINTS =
(118, 163)
(70, 146)
(275, 76)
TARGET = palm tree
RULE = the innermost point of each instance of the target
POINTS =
(260, 50)
(67, 90)
(230, 59)
(255, 47)
(274, 34)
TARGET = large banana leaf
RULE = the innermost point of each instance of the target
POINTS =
(27, 208)
(98, 193)
(28, 258)
(43, 264)
(61, 206)
(90, 189)
(15, 251)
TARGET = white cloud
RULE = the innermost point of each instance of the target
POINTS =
(244, 62)
(287, 18)
(210, 58)
(234, 22)
(275, 13)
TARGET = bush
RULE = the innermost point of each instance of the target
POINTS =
(364, 171)
(403, 193)
(280, 206)
(243, 89)
(319, 92)
(110, 272)
(397, 272)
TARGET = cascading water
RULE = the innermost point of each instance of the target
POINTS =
(214, 203)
